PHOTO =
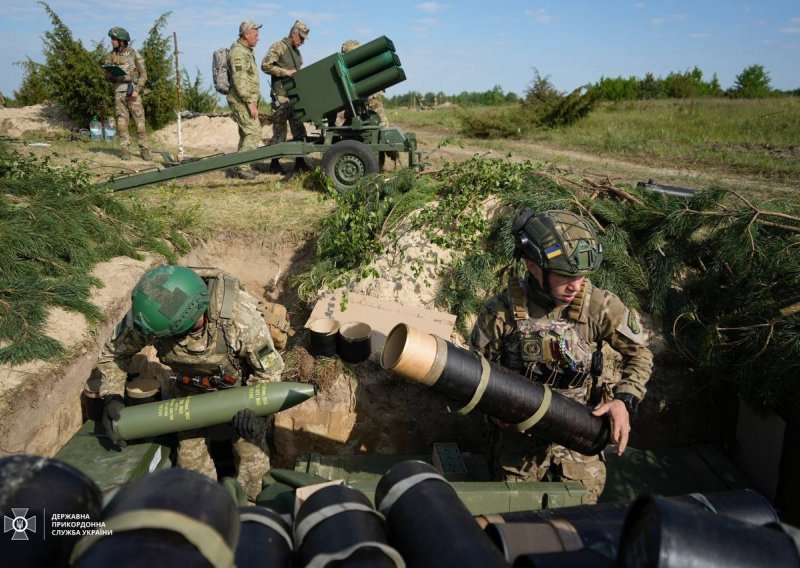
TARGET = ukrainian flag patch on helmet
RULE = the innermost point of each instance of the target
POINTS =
(553, 251)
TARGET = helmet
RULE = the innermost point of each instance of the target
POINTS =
(557, 240)
(350, 45)
(119, 33)
(168, 300)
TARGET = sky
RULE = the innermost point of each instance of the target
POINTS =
(453, 46)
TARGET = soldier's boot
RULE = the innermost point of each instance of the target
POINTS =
(262, 167)
(300, 165)
(275, 166)
(125, 154)
(238, 173)
(146, 155)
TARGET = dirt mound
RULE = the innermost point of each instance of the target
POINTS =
(212, 133)
(34, 120)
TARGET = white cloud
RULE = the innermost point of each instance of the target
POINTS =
(314, 18)
(540, 15)
(427, 21)
(431, 7)
(667, 19)
(789, 31)
(794, 20)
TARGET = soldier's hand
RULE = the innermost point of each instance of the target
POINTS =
(249, 426)
(112, 405)
(253, 108)
(620, 422)
(134, 95)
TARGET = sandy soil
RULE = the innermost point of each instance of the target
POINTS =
(49, 408)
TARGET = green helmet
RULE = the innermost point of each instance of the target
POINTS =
(557, 240)
(168, 300)
(120, 34)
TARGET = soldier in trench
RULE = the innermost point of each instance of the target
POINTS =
(201, 322)
(550, 327)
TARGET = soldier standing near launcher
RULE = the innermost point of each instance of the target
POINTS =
(281, 62)
(127, 92)
(244, 94)
(550, 327)
(202, 323)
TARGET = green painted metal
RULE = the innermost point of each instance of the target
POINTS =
(208, 409)
(329, 85)
(284, 149)
(481, 496)
(108, 466)
(318, 92)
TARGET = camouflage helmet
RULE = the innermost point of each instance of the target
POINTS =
(350, 45)
(559, 241)
(119, 34)
(168, 300)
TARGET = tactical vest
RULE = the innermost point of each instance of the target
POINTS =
(126, 60)
(204, 355)
(552, 351)
(289, 59)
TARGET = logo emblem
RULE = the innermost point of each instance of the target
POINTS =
(19, 524)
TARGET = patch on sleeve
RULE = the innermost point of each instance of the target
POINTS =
(267, 358)
(631, 327)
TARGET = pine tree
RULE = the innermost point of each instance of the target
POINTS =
(72, 74)
(161, 100)
(33, 89)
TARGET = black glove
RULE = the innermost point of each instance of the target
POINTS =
(112, 405)
(249, 426)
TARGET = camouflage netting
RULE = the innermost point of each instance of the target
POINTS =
(720, 271)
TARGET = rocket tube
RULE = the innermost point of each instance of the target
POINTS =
(338, 526)
(487, 387)
(428, 523)
(208, 409)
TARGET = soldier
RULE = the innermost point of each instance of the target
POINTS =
(202, 323)
(281, 62)
(128, 91)
(244, 94)
(374, 102)
(550, 327)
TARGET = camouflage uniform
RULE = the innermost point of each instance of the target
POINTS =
(133, 65)
(525, 331)
(236, 337)
(245, 90)
(282, 55)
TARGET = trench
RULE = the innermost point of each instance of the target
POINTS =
(360, 410)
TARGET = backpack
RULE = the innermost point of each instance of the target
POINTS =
(219, 71)
(277, 318)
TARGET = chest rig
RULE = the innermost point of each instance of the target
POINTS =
(211, 351)
(552, 350)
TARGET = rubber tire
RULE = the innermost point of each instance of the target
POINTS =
(347, 161)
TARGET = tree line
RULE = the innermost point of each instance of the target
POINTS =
(752, 83)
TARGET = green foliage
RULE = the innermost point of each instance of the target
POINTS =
(352, 237)
(33, 89)
(161, 103)
(688, 84)
(72, 74)
(493, 97)
(194, 97)
(720, 271)
(55, 226)
(752, 83)
(543, 106)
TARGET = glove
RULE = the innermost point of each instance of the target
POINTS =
(249, 426)
(112, 405)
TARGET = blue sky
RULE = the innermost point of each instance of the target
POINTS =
(455, 46)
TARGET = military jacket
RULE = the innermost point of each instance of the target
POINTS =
(132, 63)
(235, 337)
(245, 85)
(282, 55)
(562, 336)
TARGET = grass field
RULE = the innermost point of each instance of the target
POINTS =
(754, 137)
